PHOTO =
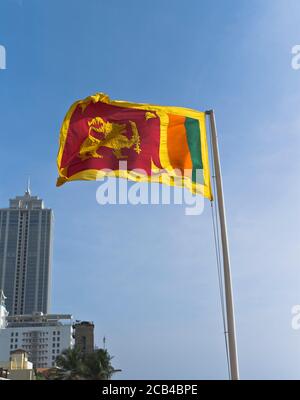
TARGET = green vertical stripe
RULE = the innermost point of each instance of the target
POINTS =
(192, 127)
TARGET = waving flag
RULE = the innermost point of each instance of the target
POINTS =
(141, 142)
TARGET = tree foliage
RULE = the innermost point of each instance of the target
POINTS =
(74, 365)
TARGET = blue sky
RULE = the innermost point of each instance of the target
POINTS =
(146, 275)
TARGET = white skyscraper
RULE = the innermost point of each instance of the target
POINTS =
(25, 266)
(25, 255)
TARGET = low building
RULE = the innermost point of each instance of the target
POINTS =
(42, 336)
(18, 367)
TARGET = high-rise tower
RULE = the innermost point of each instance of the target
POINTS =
(25, 254)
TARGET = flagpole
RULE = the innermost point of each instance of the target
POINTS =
(233, 358)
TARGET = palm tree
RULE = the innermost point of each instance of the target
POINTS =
(97, 365)
(72, 364)
(69, 365)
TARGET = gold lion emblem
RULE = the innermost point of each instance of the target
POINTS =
(112, 137)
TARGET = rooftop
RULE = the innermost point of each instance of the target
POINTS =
(26, 202)
(37, 319)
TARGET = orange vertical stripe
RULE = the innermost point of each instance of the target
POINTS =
(178, 149)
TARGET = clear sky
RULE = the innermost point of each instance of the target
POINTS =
(146, 275)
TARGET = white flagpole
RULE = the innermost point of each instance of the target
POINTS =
(233, 358)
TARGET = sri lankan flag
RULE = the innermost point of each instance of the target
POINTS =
(141, 142)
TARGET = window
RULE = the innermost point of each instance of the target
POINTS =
(53, 351)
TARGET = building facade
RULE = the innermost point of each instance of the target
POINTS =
(25, 254)
(3, 311)
(42, 336)
(84, 336)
